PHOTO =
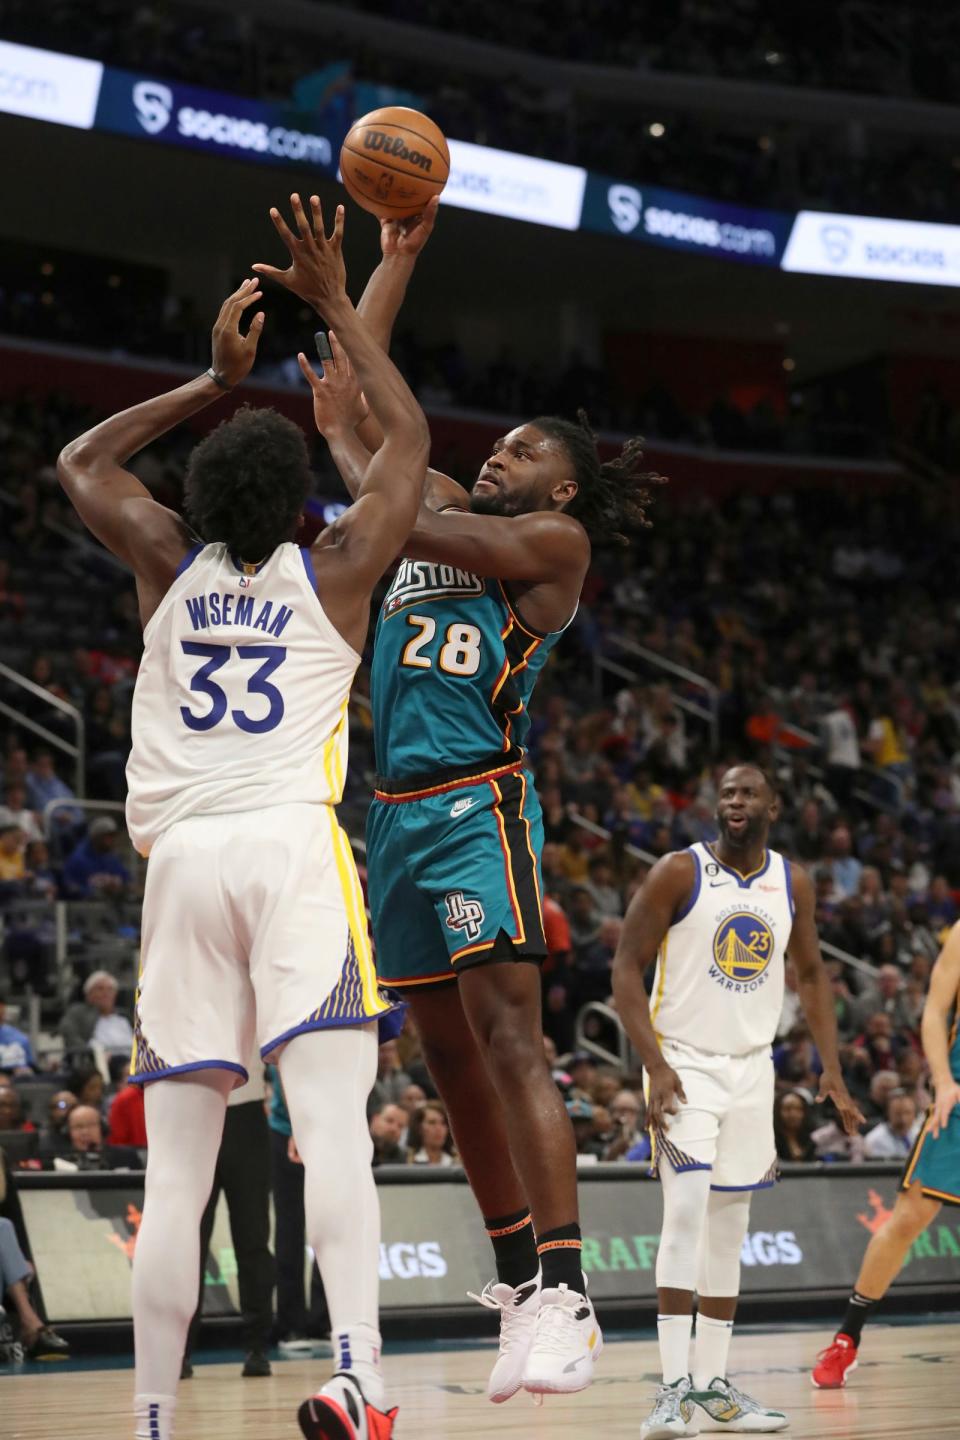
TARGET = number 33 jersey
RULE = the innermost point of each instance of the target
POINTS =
(241, 698)
(453, 671)
(719, 979)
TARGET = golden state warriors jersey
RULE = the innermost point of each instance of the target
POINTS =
(241, 698)
(719, 981)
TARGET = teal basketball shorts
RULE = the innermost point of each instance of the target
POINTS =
(450, 867)
(934, 1163)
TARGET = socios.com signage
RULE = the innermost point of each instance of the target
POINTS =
(200, 119)
(865, 248)
(41, 85)
(518, 187)
(684, 222)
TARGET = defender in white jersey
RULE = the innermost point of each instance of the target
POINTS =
(718, 920)
(253, 922)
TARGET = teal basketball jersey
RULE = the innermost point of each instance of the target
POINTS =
(453, 670)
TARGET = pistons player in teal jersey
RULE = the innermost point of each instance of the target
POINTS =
(488, 583)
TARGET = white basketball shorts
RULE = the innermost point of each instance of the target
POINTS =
(254, 930)
(726, 1124)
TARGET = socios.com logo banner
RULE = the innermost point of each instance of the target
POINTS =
(865, 248)
(42, 85)
(519, 187)
(684, 222)
(210, 120)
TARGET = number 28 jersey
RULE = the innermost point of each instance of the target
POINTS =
(241, 697)
(454, 667)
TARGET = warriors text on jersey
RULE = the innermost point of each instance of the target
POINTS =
(241, 698)
(453, 670)
(720, 971)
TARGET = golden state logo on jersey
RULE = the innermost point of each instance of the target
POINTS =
(743, 947)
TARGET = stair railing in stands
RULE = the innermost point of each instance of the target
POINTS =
(705, 708)
(76, 749)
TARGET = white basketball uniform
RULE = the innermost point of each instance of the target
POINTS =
(716, 1003)
(254, 928)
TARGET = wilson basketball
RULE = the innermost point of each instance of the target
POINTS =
(393, 161)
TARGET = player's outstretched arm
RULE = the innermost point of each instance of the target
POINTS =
(649, 917)
(816, 999)
(112, 502)
(940, 1004)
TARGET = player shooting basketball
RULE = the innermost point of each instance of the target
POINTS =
(454, 835)
(253, 924)
(718, 920)
(931, 1176)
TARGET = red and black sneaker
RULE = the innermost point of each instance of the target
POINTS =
(340, 1412)
(835, 1363)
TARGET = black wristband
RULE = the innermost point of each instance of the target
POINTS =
(217, 379)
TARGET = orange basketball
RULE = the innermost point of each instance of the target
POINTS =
(393, 161)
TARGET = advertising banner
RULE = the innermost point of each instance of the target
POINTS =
(869, 248)
(519, 187)
(806, 1234)
(42, 85)
(684, 222)
(175, 114)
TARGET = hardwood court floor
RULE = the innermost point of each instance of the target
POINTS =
(906, 1385)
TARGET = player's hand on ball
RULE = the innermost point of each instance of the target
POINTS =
(316, 271)
(666, 1089)
(233, 353)
(408, 237)
(338, 402)
(946, 1100)
(849, 1112)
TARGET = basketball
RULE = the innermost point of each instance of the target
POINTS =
(393, 161)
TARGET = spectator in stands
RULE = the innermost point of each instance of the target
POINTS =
(95, 1019)
(809, 841)
(589, 1147)
(893, 1138)
(792, 1127)
(15, 801)
(630, 1141)
(605, 894)
(843, 866)
(12, 1116)
(40, 882)
(841, 750)
(391, 1079)
(87, 1148)
(54, 1139)
(582, 1069)
(941, 906)
(428, 1136)
(911, 1069)
(94, 870)
(12, 867)
(16, 1052)
(127, 1123)
(386, 1130)
(44, 786)
(39, 1341)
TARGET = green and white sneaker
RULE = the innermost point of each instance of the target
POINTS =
(672, 1412)
(724, 1407)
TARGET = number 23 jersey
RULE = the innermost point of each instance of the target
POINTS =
(719, 979)
(453, 670)
(241, 697)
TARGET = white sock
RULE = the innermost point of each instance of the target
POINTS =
(356, 1352)
(674, 1333)
(154, 1416)
(711, 1350)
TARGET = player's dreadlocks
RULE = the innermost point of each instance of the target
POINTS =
(613, 495)
(247, 482)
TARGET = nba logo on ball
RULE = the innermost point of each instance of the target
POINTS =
(742, 946)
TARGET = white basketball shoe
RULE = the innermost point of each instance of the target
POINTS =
(518, 1306)
(567, 1342)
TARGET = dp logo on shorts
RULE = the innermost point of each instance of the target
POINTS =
(463, 914)
(742, 946)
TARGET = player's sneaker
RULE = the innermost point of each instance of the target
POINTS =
(835, 1363)
(672, 1412)
(518, 1308)
(340, 1412)
(566, 1344)
(723, 1407)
